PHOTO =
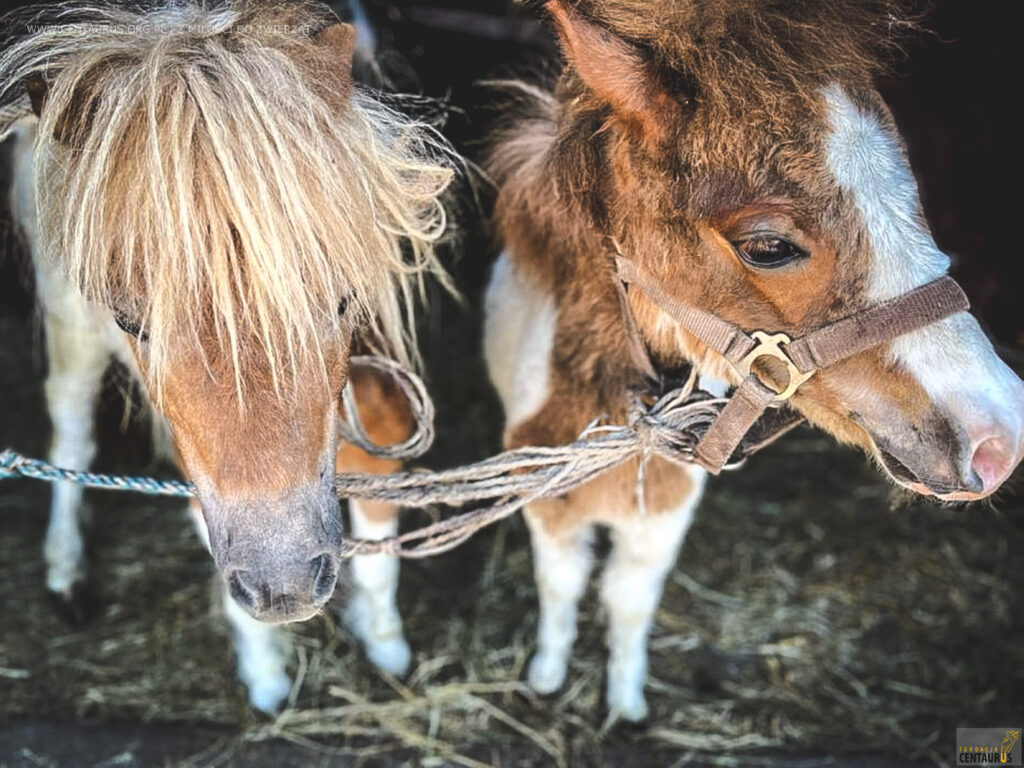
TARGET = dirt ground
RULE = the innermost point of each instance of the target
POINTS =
(815, 617)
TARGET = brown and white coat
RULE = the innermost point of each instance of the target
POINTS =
(738, 153)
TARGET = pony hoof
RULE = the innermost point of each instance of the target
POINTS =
(547, 673)
(76, 605)
(387, 650)
(269, 695)
(631, 706)
(393, 655)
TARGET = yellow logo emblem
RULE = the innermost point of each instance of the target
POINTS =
(1009, 740)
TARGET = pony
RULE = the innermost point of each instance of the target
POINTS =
(209, 198)
(736, 153)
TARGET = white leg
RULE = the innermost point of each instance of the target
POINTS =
(263, 654)
(77, 360)
(263, 650)
(371, 613)
(644, 551)
(561, 566)
(196, 512)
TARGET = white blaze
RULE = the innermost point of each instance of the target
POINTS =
(871, 166)
(952, 359)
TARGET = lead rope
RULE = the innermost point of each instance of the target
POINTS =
(675, 428)
(669, 428)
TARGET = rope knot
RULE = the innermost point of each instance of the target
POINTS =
(672, 426)
(650, 434)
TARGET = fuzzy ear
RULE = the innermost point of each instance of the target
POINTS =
(615, 70)
(74, 123)
(37, 87)
(338, 42)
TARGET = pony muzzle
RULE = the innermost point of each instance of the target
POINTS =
(279, 560)
(953, 457)
(278, 597)
(993, 446)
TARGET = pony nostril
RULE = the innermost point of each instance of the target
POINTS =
(245, 593)
(974, 483)
(991, 462)
(325, 574)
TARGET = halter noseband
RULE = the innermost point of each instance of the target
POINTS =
(802, 357)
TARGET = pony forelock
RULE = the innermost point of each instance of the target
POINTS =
(195, 174)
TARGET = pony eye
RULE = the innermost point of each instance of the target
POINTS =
(343, 307)
(129, 326)
(768, 252)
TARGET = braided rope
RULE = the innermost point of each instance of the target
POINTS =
(13, 464)
(670, 428)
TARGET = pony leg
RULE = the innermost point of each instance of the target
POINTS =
(263, 650)
(561, 564)
(645, 548)
(77, 361)
(263, 654)
(78, 355)
(372, 612)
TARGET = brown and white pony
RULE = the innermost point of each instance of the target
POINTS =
(737, 152)
(208, 198)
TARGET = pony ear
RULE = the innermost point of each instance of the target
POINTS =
(337, 43)
(37, 87)
(616, 71)
(74, 122)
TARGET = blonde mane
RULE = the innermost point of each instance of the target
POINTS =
(199, 172)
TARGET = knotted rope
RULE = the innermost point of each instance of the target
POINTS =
(670, 428)
(420, 406)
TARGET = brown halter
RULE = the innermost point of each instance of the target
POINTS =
(802, 357)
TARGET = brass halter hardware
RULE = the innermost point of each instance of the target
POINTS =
(770, 345)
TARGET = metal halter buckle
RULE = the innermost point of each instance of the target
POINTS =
(770, 345)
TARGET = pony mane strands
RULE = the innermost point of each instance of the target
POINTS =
(198, 172)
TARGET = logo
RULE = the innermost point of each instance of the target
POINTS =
(988, 746)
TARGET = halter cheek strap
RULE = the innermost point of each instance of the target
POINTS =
(803, 356)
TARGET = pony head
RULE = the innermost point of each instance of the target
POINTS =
(211, 176)
(738, 151)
